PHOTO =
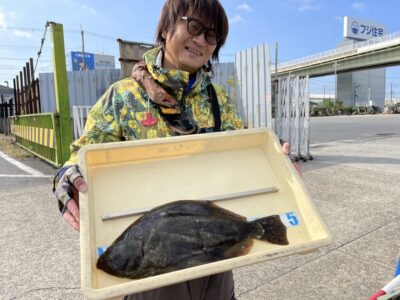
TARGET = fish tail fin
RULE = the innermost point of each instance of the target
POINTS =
(274, 231)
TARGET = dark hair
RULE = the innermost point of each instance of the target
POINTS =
(211, 13)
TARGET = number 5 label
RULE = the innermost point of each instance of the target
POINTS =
(290, 219)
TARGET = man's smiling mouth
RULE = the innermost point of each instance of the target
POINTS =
(193, 51)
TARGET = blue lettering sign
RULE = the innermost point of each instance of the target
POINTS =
(77, 61)
(354, 27)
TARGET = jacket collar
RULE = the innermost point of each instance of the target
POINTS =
(175, 79)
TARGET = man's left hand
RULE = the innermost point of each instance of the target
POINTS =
(286, 150)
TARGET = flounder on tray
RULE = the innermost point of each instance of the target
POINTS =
(185, 234)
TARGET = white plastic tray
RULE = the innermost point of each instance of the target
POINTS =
(146, 173)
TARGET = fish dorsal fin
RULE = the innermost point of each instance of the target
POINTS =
(219, 211)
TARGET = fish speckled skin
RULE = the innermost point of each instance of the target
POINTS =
(184, 234)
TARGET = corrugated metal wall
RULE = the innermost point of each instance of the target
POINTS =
(254, 81)
(247, 81)
(84, 88)
(225, 76)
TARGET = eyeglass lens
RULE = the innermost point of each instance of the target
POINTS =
(195, 27)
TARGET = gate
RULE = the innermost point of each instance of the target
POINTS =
(292, 117)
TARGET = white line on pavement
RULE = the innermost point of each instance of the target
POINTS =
(21, 166)
(30, 176)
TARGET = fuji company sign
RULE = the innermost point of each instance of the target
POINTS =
(362, 29)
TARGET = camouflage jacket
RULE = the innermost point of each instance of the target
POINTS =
(118, 114)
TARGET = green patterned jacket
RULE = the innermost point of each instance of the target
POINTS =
(117, 115)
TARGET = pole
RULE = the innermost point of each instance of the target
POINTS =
(83, 51)
(369, 95)
(391, 91)
(61, 92)
(276, 58)
(334, 100)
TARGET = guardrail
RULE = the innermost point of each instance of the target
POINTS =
(39, 134)
(368, 45)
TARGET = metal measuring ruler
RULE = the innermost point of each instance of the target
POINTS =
(138, 211)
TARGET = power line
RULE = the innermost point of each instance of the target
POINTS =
(20, 59)
(20, 46)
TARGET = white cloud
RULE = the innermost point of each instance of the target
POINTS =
(236, 19)
(90, 9)
(20, 33)
(245, 7)
(306, 5)
(358, 5)
(4, 25)
(3, 22)
(338, 18)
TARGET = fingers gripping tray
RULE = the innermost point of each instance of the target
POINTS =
(244, 171)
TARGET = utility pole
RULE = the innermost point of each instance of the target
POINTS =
(276, 58)
(83, 51)
(64, 134)
(324, 92)
(334, 99)
(369, 95)
(391, 91)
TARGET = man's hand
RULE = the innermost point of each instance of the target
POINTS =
(67, 193)
(286, 150)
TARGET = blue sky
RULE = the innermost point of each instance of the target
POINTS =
(300, 27)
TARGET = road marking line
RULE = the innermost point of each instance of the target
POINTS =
(28, 176)
(20, 165)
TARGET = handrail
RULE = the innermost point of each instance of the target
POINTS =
(335, 53)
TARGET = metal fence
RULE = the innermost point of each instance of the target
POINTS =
(84, 87)
(292, 118)
(26, 91)
(38, 134)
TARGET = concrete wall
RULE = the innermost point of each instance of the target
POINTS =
(345, 88)
(362, 86)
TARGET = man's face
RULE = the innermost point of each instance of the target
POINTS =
(184, 51)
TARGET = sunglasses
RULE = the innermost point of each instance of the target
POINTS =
(195, 27)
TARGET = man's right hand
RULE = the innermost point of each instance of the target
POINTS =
(67, 193)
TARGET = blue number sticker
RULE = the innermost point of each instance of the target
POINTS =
(290, 219)
(101, 249)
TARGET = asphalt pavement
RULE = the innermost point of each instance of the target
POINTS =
(354, 183)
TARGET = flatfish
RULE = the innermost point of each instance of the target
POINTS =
(184, 234)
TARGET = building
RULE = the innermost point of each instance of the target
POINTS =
(6, 93)
(366, 86)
